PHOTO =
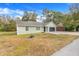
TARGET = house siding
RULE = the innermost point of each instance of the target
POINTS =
(22, 30)
(33, 29)
(50, 24)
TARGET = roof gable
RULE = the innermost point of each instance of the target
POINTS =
(51, 24)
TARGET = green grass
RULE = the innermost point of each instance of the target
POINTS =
(7, 33)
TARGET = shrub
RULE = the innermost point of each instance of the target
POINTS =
(31, 36)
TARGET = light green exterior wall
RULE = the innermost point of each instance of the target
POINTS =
(22, 30)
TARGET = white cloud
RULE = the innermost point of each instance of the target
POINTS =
(19, 12)
(18, 16)
(40, 18)
(7, 11)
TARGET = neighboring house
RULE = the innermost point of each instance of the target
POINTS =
(60, 27)
(28, 27)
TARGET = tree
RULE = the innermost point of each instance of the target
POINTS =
(73, 17)
(29, 16)
(25, 16)
(0, 25)
(68, 23)
(9, 27)
(74, 11)
(54, 16)
(48, 14)
(58, 17)
(7, 23)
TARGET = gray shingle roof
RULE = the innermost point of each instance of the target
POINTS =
(29, 23)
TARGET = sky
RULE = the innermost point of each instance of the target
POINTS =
(16, 9)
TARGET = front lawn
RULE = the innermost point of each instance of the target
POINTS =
(40, 44)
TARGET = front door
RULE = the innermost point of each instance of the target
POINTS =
(51, 29)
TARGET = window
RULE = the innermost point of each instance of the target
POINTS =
(27, 28)
(37, 28)
(51, 29)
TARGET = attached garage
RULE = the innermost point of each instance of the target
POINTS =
(50, 27)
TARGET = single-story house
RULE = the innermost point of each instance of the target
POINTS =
(28, 27)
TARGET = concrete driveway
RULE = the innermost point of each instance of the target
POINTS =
(70, 50)
(69, 33)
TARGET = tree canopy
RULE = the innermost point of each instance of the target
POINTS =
(70, 20)
(29, 16)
